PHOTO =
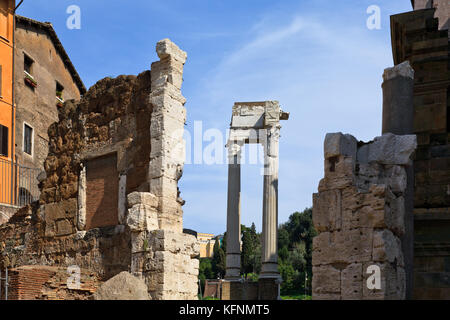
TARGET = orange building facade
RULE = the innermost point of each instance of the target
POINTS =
(6, 99)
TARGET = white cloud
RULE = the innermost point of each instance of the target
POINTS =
(328, 78)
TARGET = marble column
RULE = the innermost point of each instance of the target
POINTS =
(234, 212)
(269, 254)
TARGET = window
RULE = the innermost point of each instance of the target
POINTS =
(4, 19)
(59, 90)
(28, 64)
(27, 139)
(28, 70)
(3, 141)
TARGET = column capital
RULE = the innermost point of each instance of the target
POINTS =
(234, 147)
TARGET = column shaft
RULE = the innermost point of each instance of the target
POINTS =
(234, 216)
(269, 255)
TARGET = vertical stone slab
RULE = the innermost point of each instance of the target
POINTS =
(398, 118)
(234, 212)
(166, 131)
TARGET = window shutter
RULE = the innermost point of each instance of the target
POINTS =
(1, 80)
(3, 141)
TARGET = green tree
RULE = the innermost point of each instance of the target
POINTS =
(218, 261)
(205, 271)
(295, 251)
(249, 247)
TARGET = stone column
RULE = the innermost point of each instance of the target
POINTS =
(234, 212)
(166, 132)
(398, 118)
(269, 256)
(398, 106)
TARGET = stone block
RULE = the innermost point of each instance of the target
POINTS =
(145, 198)
(390, 149)
(393, 283)
(166, 48)
(387, 248)
(327, 210)
(326, 280)
(352, 282)
(142, 218)
(338, 144)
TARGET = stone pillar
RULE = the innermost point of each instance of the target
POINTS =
(398, 107)
(234, 212)
(269, 254)
(398, 118)
(166, 132)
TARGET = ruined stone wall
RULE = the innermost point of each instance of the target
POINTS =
(140, 121)
(358, 213)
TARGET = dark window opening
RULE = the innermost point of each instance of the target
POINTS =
(3, 141)
(28, 139)
(28, 64)
(332, 161)
(59, 90)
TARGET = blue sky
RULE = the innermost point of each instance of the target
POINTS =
(316, 57)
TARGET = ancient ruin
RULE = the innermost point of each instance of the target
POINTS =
(109, 198)
(253, 122)
(359, 213)
(415, 101)
(422, 37)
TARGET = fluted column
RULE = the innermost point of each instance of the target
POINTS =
(269, 255)
(234, 211)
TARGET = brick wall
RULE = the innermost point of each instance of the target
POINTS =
(48, 283)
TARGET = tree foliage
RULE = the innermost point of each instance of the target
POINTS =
(294, 254)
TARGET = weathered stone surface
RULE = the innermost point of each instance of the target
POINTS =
(403, 69)
(359, 214)
(170, 265)
(390, 149)
(352, 282)
(60, 217)
(387, 248)
(167, 126)
(145, 198)
(338, 144)
(327, 210)
(133, 119)
(124, 286)
(326, 281)
(142, 217)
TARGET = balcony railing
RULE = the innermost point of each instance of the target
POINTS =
(18, 184)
